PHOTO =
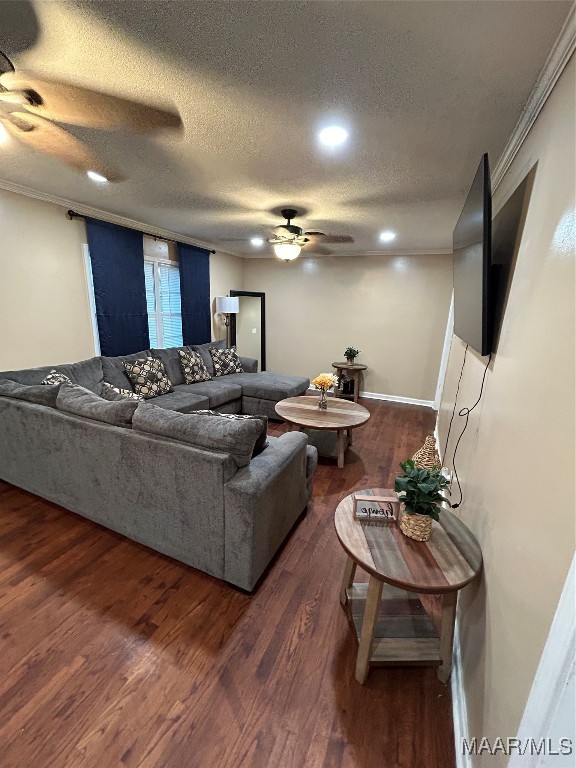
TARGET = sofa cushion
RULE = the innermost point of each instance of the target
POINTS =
(87, 373)
(218, 391)
(148, 377)
(236, 438)
(182, 400)
(226, 361)
(204, 350)
(110, 392)
(193, 366)
(72, 398)
(55, 377)
(262, 440)
(171, 361)
(42, 394)
(270, 386)
(113, 368)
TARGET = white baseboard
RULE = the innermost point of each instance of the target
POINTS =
(459, 709)
(397, 399)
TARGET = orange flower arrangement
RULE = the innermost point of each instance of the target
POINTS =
(325, 381)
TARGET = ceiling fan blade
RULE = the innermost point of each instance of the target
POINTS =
(320, 236)
(317, 248)
(69, 103)
(46, 137)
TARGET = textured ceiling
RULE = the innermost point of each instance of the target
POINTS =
(424, 88)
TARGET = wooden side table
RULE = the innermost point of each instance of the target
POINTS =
(352, 371)
(392, 625)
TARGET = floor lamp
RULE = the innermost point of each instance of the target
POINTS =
(227, 305)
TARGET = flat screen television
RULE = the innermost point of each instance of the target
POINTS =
(471, 241)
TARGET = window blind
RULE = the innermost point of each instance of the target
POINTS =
(163, 304)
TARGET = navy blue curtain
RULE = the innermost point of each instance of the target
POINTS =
(195, 293)
(117, 256)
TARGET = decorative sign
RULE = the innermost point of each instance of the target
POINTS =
(367, 507)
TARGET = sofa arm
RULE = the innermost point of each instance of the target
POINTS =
(249, 364)
(261, 504)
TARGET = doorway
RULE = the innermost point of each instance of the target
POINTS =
(248, 326)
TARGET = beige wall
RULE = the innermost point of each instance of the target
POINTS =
(394, 309)
(44, 303)
(226, 274)
(517, 460)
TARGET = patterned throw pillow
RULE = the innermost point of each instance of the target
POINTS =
(148, 377)
(110, 392)
(261, 442)
(226, 361)
(193, 366)
(54, 377)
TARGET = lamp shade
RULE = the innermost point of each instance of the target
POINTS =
(229, 305)
(287, 251)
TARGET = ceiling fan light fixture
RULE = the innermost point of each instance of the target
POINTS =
(97, 177)
(287, 251)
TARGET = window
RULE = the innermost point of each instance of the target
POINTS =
(163, 303)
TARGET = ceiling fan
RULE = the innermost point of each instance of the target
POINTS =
(29, 105)
(290, 239)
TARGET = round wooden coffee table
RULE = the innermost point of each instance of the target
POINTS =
(341, 417)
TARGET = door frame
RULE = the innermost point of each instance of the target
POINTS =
(262, 297)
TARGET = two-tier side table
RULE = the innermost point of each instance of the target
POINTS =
(391, 622)
(354, 371)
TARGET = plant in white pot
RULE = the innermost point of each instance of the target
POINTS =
(419, 489)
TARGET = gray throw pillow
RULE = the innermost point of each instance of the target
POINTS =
(204, 350)
(193, 366)
(261, 442)
(55, 377)
(110, 392)
(80, 401)
(148, 377)
(234, 437)
(42, 394)
(226, 361)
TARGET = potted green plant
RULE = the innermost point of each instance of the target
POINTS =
(350, 353)
(419, 489)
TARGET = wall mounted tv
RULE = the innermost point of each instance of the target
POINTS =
(473, 313)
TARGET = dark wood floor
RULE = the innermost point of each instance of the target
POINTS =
(112, 655)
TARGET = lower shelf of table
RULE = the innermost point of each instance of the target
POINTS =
(326, 441)
(404, 633)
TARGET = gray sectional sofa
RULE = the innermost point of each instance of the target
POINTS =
(189, 485)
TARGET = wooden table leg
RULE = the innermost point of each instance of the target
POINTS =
(356, 385)
(349, 435)
(341, 446)
(368, 625)
(347, 579)
(447, 635)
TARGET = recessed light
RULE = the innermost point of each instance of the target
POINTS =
(96, 177)
(333, 136)
(387, 236)
(257, 241)
(4, 135)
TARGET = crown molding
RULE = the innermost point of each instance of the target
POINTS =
(122, 221)
(557, 59)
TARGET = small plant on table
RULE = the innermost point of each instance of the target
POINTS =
(419, 489)
(350, 353)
